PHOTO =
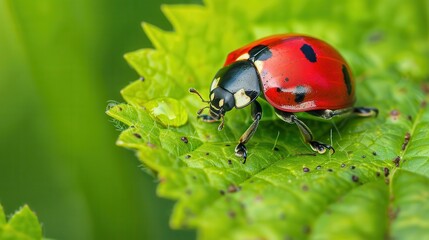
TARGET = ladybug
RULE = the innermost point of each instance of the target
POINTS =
(293, 73)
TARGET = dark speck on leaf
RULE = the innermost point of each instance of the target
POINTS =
(306, 229)
(396, 161)
(352, 167)
(386, 172)
(231, 214)
(374, 153)
(305, 169)
(137, 135)
(425, 87)
(142, 78)
(207, 153)
(378, 174)
(184, 139)
(229, 161)
(259, 198)
(276, 148)
(222, 192)
(120, 109)
(343, 165)
(319, 167)
(394, 114)
(406, 140)
(233, 188)
(330, 170)
(151, 145)
(393, 214)
(304, 188)
(227, 145)
(409, 118)
(363, 156)
(188, 156)
(355, 178)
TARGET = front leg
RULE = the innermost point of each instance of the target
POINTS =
(207, 118)
(240, 149)
(305, 132)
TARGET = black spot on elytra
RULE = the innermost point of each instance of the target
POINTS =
(309, 53)
(278, 89)
(300, 92)
(286, 79)
(347, 79)
(260, 52)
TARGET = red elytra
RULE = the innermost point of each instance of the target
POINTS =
(322, 77)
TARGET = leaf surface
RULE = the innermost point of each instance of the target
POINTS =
(22, 225)
(284, 191)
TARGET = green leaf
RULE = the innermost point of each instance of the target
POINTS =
(22, 225)
(2, 216)
(284, 191)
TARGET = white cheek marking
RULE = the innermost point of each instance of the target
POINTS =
(241, 99)
(221, 102)
(243, 57)
(259, 65)
(212, 97)
(214, 83)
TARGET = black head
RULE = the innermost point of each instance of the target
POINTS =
(221, 101)
(235, 85)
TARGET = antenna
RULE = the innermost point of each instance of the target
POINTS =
(193, 90)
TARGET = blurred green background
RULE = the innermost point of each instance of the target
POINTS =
(60, 62)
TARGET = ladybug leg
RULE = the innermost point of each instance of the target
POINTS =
(207, 118)
(357, 111)
(365, 111)
(305, 132)
(240, 149)
(328, 114)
